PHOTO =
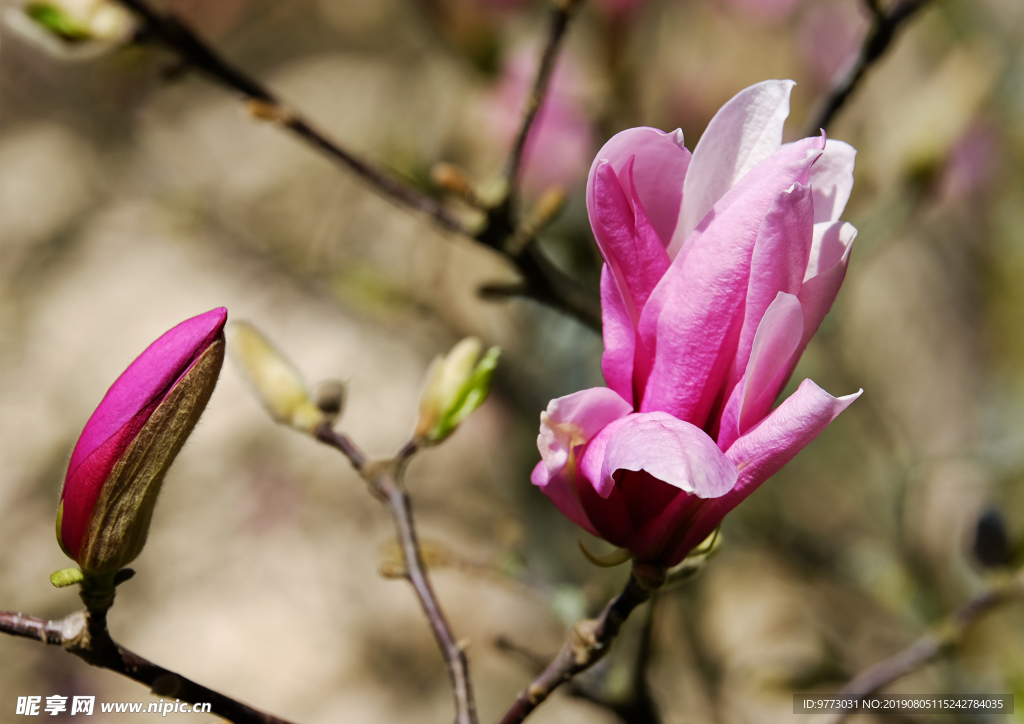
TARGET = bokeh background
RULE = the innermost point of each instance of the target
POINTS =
(134, 195)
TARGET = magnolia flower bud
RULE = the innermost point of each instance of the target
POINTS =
(330, 399)
(130, 441)
(274, 378)
(72, 29)
(457, 384)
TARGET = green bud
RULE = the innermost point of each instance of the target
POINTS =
(73, 29)
(457, 384)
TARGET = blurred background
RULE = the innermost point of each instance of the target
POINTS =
(134, 194)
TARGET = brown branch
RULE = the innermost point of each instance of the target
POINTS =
(169, 31)
(931, 645)
(30, 627)
(85, 635)
(588, 642)
(547, 284)
(542, 282)
(638, 705)
(561, 13)
(506, 233)
(385, 481)
(884, 27)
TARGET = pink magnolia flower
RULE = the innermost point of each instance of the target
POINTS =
(131, 439)
(719, 267)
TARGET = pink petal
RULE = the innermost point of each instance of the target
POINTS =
(124, 410)
(672, 451)
(744, 132)
(656, 539)
(561, 489)
(690, 327)
(777, 339)
(832, 180)
(619, 337)
(573, 420)
(774, 344)
(763, 451)
(830, 245)
(591, 463)
(659, 168)
(778, 264)
(636, 475)
(627, 241)
(830, 253)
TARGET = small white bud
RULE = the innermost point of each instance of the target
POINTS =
(457, 384)
(72, 29)
(274, 378)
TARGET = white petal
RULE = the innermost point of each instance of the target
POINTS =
(744, 132)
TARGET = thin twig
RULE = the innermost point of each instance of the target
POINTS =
(588, 642)
(884, 26)
(547, 284)
(30, 627)
(931, 645)
(85, 635)
(542, 281)
(385, 481)
(169, 31)
(561, 13)
(638, 705)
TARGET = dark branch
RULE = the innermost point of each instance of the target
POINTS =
(173, 34)
(884, 26)
(547, 284)
(588, 642)
(931, 645)
(385, 481)
(638, 705)
(542, 282)
(561, 13)
(85, 635)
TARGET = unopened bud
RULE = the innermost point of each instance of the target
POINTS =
(275, 379)
(129, 443)
(72, 29)
(457, 384)
(330, 398)
(451, 178)
(549, 205)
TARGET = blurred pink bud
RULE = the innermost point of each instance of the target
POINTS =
(719, 267)
(560, 143)
(829, 38)
(130, 441)
(971, 162)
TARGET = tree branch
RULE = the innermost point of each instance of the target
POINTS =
(931, 645)
(638, 706)
(384, 478)
(884, 27)
(561, 13)
(588, 642)
(542, 281)
(85, 635)
(173, 34)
